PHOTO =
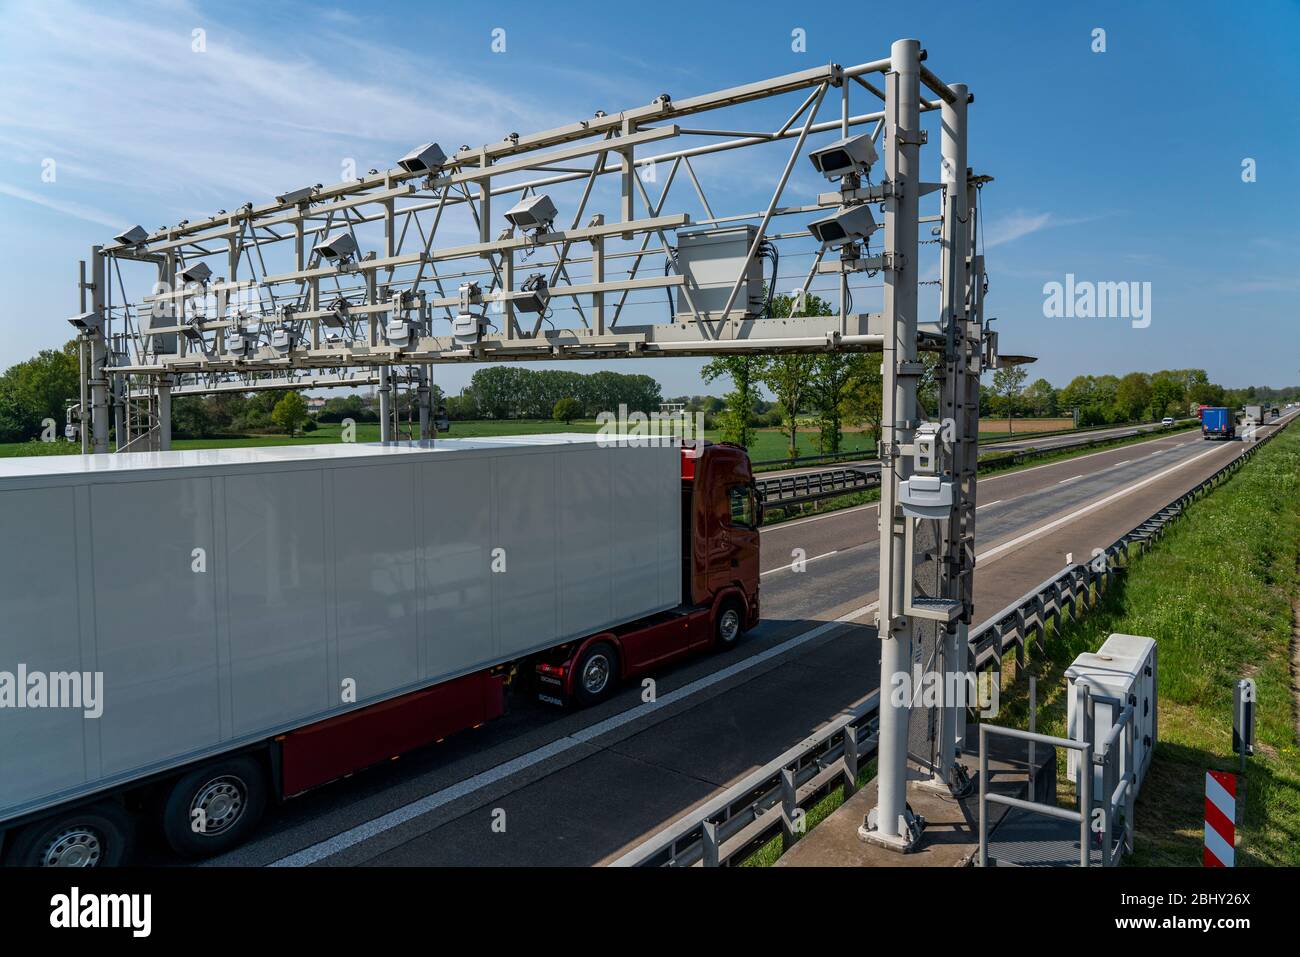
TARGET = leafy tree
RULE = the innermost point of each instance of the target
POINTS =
(743, 371)
(1040, 398)
(1008, 383)
(566, 410)
(36, 389)
(1133, 396)
(290, 412)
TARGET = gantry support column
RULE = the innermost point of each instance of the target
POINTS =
(889, 823)
(959, 431)
(99, 409)
(164, 413)
(385, 404)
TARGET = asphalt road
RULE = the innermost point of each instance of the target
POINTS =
(546, 787)
(1015, 444)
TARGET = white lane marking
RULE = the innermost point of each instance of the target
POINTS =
(1070, 479)
(988, 504)
(991, 478)
(431, 802)
(806, 561)
(1077, 513)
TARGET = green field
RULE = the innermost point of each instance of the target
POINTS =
(769, 444)
(1220, 594)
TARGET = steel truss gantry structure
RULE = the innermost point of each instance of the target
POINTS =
(432, 275)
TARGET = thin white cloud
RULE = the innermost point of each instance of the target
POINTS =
(120, 94)
(66, 207)
(1021, 223)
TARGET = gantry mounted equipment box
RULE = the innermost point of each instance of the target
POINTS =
(226, 595)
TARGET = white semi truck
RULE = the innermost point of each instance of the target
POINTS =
(187, 636)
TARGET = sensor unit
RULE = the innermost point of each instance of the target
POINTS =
(846, 225)
(533, 213)
(853, 154)
(340, 245)
(423, 159)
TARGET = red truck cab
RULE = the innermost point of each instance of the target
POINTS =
(721, 516)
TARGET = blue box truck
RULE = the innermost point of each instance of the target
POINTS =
(1218, 423)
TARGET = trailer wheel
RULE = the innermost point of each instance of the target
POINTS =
(215, 807)
(729, 626)
(596, 674)
(100, 835)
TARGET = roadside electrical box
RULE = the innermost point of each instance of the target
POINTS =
(710, 260)
(1123, 669)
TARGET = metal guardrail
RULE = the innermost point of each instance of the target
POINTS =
(767, 801)
(1069, 590)
(807, 487)
(815, 486)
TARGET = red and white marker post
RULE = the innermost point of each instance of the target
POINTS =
(1220, 818)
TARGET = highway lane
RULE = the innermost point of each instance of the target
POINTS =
(578, 787)
(1010, 444)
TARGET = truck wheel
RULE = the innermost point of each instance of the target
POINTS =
(100, 835)
(596, 674)
(729, 626)
(215, 807)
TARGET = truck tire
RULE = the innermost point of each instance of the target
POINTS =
(596, 674)
(98, 835)
(232, 796)
(729, 624)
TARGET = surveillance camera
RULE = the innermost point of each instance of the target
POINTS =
(846, 225)
(199, 272)
(131, 237)
(239, 343)
(533, 213)
(340, 245)
(399, 332)
(538, 294)
(423, 159)
(283, 339)
(853, 154)
(296, 196)
(468, 327)
(86, 322)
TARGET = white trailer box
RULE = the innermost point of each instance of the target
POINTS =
(227, 595)
(1124, 668)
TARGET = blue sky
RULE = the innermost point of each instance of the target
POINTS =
(1117, 166)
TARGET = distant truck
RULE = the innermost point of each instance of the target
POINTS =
(1253, 415)
(1218, 423)
(264, 621)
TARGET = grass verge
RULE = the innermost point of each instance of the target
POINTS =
(1217, 594)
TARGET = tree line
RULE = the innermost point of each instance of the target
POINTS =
(826, 392)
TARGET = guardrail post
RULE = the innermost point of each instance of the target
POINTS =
(850, 761)
(709, 844)
(789, 807)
